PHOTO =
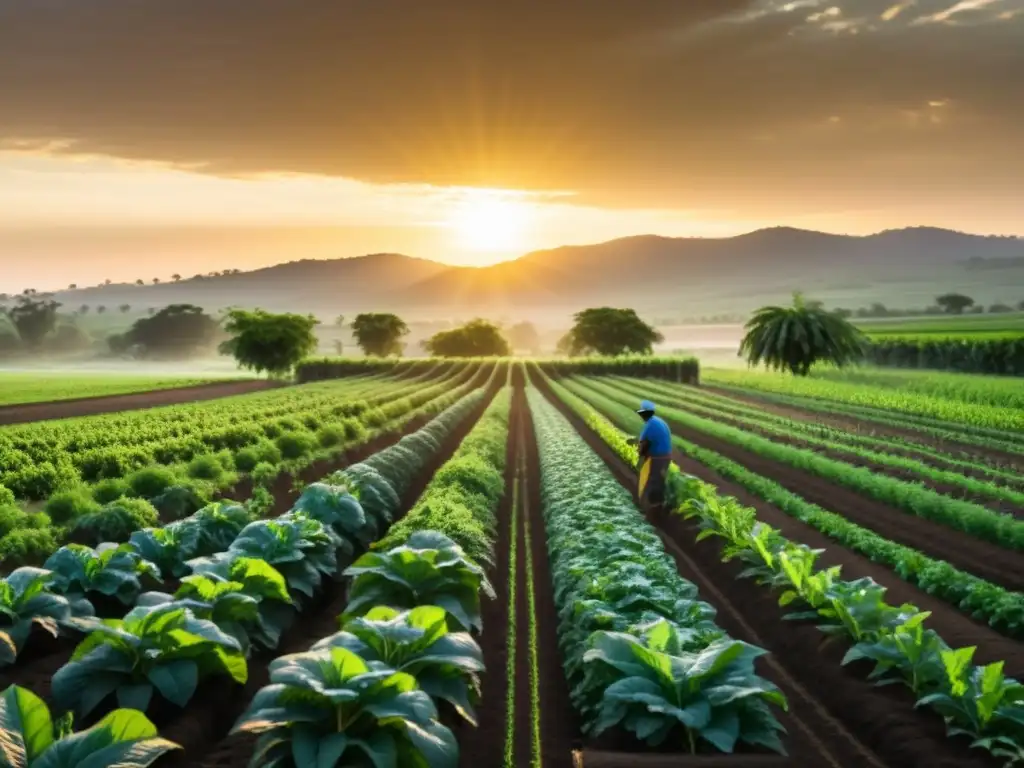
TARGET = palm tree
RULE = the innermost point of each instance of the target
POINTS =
(795, 338)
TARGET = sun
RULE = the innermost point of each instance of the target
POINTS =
(490, 221)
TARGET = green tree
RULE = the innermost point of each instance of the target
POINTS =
(608, 331)
(794, 338)
(379, 334)
(954, 303)
(179, 330)
(477, 338)
(261, 341)
(524, 336)
(34, 319)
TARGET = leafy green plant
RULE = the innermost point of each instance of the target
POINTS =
(168, 548)
(115, 522)
(245, 598)
(430, 569)
(26, 601)
(32, 739)
(112, 489)
(111, 570)
(178, 502)
(336, 507)
(148, 482)
(331, 707)
(162, 649)
(654, 688)
(26, 546)
(445, 664)
(206, 467)
(67, 506)
(219, 525)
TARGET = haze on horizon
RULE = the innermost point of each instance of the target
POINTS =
(142, 138)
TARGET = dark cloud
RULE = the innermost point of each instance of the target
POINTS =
(670, 102)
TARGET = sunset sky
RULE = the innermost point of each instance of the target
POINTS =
(142, 138)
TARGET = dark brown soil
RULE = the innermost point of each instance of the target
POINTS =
(866, 426)
(203, 731)
(92, 406)
(832, 708)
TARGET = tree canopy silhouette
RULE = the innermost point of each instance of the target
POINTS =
(608, 331)
(477, 338)
(379, 334)
(794, 338)
(265, 342)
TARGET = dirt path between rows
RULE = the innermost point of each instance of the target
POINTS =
(865, 426)
(92, 406)
(837, 709)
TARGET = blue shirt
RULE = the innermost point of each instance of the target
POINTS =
(656, 432)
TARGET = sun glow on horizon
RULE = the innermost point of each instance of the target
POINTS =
(491, 221)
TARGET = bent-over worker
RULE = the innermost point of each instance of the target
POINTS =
(655, 449)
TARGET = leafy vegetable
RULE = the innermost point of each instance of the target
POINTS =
(445, 664)
(31, 739)
(338, 509)
(430, 569)
(331, 707)
(163, 649)
(168, 548)
(26, 602)
(654, 688)
(111, 570)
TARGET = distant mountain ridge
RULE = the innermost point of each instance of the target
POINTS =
(647, 268)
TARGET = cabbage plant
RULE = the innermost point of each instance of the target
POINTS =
(26, 601)
(168, 548)
(243, 598)
(31, 739)
(331, 707)
(161, 649)
(429, 569)
(656, 690)
(337, 508)
(114, 570)
(445, 664)
(218, 524)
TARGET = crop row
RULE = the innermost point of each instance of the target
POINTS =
(974, 519)
(160, 492)
(1001, 608)
(42, 458)
(168, 644)
(898, 445)
(374, 690)
(642, 652)
(998, 420)
(750, 419)
(976, 701)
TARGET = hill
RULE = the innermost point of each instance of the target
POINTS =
(688, 275)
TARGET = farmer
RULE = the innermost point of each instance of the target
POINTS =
(655, 449)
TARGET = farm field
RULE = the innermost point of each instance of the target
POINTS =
(443, 564)
(24, 388)
(1008, 325)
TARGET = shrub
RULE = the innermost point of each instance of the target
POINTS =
(13, 519)
(295, 445)
(272, 430)
(112, 489)
(114, 522)
(311, 422)
(205, 467)
(330, 436)
(354, 430)
(40, 481)
(177, 502)
(150, 482)
(247, 459)
(268, 452)
(27, 546)
(265, 474)
(6, 497)
(66, 506)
